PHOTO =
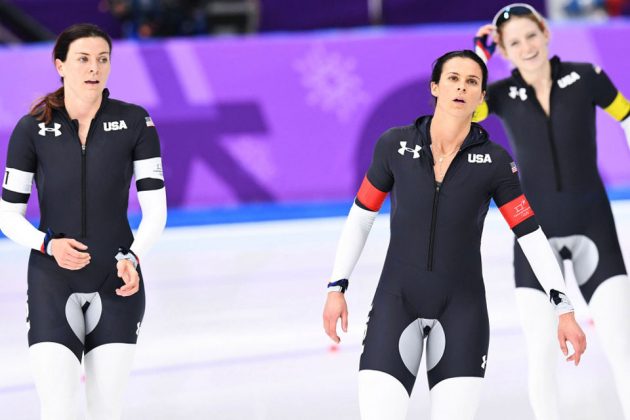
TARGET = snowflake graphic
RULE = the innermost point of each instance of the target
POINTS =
(254, 154)
(331, 82)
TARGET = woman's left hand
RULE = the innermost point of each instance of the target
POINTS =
(128, 273)
(569, 330)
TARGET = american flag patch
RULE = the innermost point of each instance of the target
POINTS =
(149, 122)
(513, 167)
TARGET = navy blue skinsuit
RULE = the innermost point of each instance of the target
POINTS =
(431, 284)
(557, 159)
(83, 194)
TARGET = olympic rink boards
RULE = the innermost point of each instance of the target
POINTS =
(233, 329)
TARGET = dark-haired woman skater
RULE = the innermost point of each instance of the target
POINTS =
(85, 287)
(442, 172)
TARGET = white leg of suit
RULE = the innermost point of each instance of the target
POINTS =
(107, 369)
(540, 326)
(456, 398)
(610, 308)
(381, 396)
(57, 374)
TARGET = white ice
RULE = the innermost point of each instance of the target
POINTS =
(233, 329)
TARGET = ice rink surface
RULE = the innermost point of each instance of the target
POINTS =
(233, 329)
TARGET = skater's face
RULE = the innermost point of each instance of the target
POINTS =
(524, 41)
(86, 68)
(459, 89)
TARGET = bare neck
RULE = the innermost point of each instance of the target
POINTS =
(448, 132)
(539, 76)
(82, 109)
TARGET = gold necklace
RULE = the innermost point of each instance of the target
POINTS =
(441, 160)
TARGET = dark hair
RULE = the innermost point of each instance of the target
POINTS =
(439, 64)
(43, 107)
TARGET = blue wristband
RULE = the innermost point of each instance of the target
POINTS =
(341, 285)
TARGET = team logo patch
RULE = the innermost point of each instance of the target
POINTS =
(149, 122)
(114, 125)
(158, 170)
(516, 211)
(43, 130)
(569, 79)
(479, 158)
(404, 148)
(513, 167)
(484, 361)
(518, 93)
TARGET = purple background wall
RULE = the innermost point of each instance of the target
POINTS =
(278, 15)
(56, 15)
(293, 119)
(426, 11)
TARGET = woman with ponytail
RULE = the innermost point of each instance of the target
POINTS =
(85, 287)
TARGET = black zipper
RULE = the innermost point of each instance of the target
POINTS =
(75, 125)
(84, 177)
(552, 142)
(436, 198)
(83, 189)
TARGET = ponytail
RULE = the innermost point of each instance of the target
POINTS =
(43, 108)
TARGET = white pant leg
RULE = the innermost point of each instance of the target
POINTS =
(381, 396)
(540, 326)
(57, 374)
(107, 369)
(610, 308)
(456, 398)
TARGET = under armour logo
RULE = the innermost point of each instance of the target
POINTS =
(43, 129)
(484, 360)
(404, 148)
(520, 92)
(138, 329)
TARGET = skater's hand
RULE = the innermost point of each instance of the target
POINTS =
(488, 29)
(127, 272)
(485, 42)
(569, 330)
(334, 309)
(69, 253)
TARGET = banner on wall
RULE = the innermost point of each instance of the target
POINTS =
(293, 119)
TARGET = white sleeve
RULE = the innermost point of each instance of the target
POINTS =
(545, 266)
(153, 206)
(13, 222)
(625, 124)
(353, 237)
(14, 225)
(152, 198)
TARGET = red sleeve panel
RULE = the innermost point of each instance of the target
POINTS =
(369, 196)
(516, 211)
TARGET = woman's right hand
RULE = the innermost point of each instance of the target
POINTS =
(69, 253)
(485, 41)
(334, 309)
(486, 30)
